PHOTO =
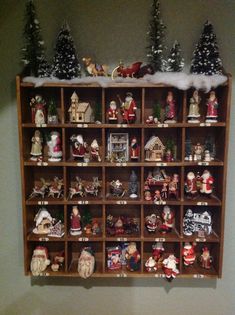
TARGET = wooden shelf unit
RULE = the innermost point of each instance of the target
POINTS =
(145, 96)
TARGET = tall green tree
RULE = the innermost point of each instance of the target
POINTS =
(175, 61)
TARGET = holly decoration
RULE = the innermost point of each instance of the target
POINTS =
(65, 65)
(206, 59)
(156, 35)
(175, 62)
(33, 55)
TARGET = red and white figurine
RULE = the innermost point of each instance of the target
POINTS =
(168, 217)
(112, 113)
(54, 145)
(212, 108)
(134, 149)
(95, 154)
(75, 222)
(79, 147)
(189, 255)
(191, 185)
(207, 182)
(129, 109)
(170, 109)
(170, 267)
(38, 110)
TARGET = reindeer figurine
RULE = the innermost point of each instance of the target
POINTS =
(78, 189)
(56, 188)
(40, 190)
(93, 188)
(94, 69)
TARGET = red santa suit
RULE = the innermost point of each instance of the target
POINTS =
(169, 267)
(191, 184)
(75, 222)
(112, 115)
(135, 149)
(206, 183)
(169, 219)
(212, 106)
(189, 254)
(129, 109)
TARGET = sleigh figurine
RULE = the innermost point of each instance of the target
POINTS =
(78, 189)
(56, 189)
(135, 70)
(93, 188)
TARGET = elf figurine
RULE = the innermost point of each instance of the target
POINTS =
(129, 109)
(212, 108)
(132, 257)
(36, 149)
(168, 217)
(95, 155)
(79, 147)
(112, 113)
(75, 222)
(169, 267)
(206, 183)
(205, 258)
(134, 149)
(38, 110)
(170, 109)
(54, 145)
(189, 255)
(191, 185)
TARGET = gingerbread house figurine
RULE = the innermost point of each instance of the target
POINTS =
(79, 112)
(154, 149)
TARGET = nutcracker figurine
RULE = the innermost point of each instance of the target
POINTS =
(112, 113)
(36, 149)
(75, 222)
(38, 110)
(212, 108)
(79, 147)
(132, 257)
(169, 267)
(128, 109)
(206, 183)
(54, 145)
(168, 217)
(191, 185)
(95, 155)
(194, 115)
(170, 109)
(134, 149)
(189, 255)
(205, 258)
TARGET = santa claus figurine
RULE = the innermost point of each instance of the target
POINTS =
(39, 261)
(112, 113)
(189, 255)
(158, 251)
(151, 223)
(206, 183)
(151, 264)
(169, 267)
(129, 109)
(212, 108)
(54, 145)
(170, 109)
(168, 217)
(75, 222)
(135, 149)
(86, 263)
(79, 147)
(132, 257)
(191, 185)
(95, 155)
(205, 258)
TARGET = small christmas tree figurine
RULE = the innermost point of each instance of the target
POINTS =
(156, 35)
(157, 112)
(65, 64)
(206, 59)
(52, 113)
(86, 218)
(33, 51)
(175, 62)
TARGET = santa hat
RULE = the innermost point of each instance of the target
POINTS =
(188, 246)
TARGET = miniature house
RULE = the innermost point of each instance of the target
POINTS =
(79, 111)
(154, 149)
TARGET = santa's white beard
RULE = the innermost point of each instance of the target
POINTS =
(38, 265)
(191, 176)
(128, 99)
(86, 266)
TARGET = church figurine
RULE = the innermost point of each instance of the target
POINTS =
(112, 113)
(194, 115)
(128, 109)
(95, 151)
(79, 147)
(212, 108)
(36, 148)
(38, 110)
(134, 149)
(170, 109)
(54, 145)
(79, 112)
(75, 222)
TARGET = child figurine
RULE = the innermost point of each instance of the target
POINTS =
(128, 109)
(169, 267)
(170, 110)
(36, 149)
(75, 222)
(134, 149)
(191, 185)
(132, 257)
(206, 183)
(133, 185)
(95, 155)
(205, 258)
(38, 110)
(79, 147)
(112, 113)
(194, 115)
(55, 149)
(212, 108)
(168, 217)
(189, 255)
